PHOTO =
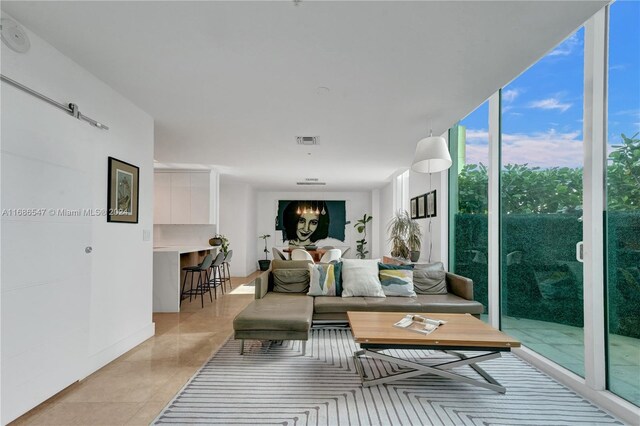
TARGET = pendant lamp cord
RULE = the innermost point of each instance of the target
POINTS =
(429, 228)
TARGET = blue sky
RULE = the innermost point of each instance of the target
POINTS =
(542, 108)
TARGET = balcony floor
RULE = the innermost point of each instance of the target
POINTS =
(564, 344)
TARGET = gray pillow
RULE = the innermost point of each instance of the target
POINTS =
(291, 280)
(426, 281)
(435, 266)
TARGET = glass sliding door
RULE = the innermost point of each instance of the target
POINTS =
(623, 202)
(541, 205)
(468, 180)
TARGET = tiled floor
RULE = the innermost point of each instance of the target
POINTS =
(133, 389)
(564, 345)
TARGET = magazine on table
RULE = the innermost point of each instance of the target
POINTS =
(419, 324)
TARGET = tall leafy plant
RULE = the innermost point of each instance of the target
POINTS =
(404, 234)
(361, 227)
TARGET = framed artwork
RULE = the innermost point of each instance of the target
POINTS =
(430, 201)
(123, 184)
(309, 222)
(422, 211)
(414, 208)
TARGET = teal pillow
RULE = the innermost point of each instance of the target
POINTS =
(337, 271)
(396, 280)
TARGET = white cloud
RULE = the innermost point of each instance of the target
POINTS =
(567, 47)
(547, 149)
(510, 95)
(631, 112)
(477, 135)
(550, 103)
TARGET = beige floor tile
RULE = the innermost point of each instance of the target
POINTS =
(82, 413)
(134, 388)
(146, 414)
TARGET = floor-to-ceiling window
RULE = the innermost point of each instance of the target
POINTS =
(468, 202)
(623, 201)
(541, 203)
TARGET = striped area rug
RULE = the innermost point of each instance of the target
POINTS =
(275, 384)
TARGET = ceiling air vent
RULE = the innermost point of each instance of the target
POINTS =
(307, 140)
(311, 183)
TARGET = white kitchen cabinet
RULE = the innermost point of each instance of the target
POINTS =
(199, 198)
(182, 197)
(162, 198)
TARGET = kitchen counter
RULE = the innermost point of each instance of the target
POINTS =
(168, 262)
(183, 249)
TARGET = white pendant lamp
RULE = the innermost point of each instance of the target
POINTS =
(432, 155)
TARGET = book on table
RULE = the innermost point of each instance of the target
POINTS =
(419, 324)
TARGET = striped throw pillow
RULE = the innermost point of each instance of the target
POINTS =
(323, 280)
(397, 280)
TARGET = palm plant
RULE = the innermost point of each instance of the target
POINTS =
(404, 234)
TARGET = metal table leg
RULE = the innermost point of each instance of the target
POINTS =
(416, 369)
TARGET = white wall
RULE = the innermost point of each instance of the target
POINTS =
(386, 213)
(57, 329)
(357, 204)
(238, 223)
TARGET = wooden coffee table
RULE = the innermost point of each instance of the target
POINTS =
(374, 331)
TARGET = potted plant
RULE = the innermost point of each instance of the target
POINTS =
(405, 236)
(414, 240)
(361, 227)
(216, 240)
(264, 264)
(221, 241)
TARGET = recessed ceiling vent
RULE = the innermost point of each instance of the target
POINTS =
(307, 140)
(311, 183)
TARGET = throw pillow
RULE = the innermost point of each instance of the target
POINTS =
(360, 278)
(435, 266)
(426, 281)
(323, 280)
(290, 280)
(337, 272)
(396, 280)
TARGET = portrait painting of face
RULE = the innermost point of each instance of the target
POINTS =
(305, 222)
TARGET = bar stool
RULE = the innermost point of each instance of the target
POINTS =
(225, 264)
(201, 286)
(217, 274)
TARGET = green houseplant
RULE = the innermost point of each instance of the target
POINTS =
(222, 241)
(264, 264)
(405, 236)
(361, 227)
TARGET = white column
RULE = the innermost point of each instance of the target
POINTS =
(595, 131)
(494, 211)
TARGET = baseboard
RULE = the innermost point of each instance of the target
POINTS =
(605, 399)
(105, 356)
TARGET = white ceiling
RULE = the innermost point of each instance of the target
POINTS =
(231, 84)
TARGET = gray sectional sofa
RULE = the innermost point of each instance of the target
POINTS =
(289, 316)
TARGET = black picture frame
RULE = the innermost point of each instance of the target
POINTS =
(422, 206)
(123, 195)
(430, 202)
(414, 208)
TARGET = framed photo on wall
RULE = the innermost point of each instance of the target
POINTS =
(430, 201)
(123, 183)
(414, 208)
(422, 211)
